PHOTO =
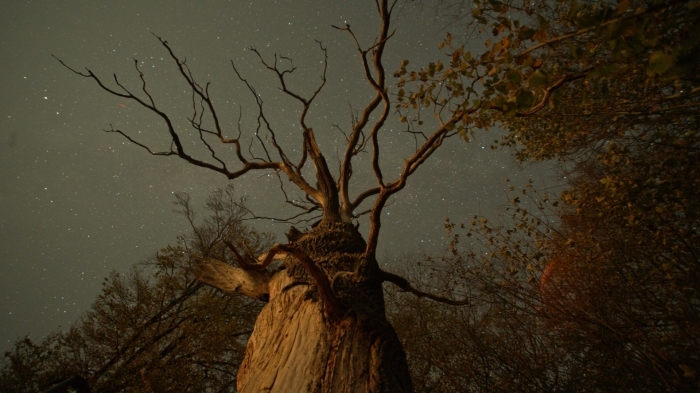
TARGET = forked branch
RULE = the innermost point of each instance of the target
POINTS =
(179, 149)
(377, 81)
(201, 93)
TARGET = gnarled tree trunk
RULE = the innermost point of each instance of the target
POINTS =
(324, 328)
(314, 339)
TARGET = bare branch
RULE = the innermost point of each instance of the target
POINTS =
(294, 220)
(293, 172)
(377, 82)
(637, 13)
(364, 195)
(281, 73)
(156, 153)
(409, 167)
(406, 286)
(175, 138)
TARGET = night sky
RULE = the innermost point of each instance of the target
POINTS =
(76, 203)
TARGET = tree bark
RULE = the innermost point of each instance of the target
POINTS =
(232, 279)
(296, 346)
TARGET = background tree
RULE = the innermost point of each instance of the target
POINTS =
(611, 90)
(582, 304)
(156, 328)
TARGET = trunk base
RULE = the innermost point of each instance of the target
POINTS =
(295, 348)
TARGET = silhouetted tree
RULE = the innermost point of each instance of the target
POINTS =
(155, 329)
(605, 296)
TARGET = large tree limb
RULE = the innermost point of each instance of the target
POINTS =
(377, 82)
(326, 184)
(227, 278)
(428, 147)
(406, 286)
(621, 18)
(292, 171)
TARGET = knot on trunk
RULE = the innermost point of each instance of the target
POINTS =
(337, 248)
(333, 245)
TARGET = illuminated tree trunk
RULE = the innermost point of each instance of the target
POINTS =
(300, 342)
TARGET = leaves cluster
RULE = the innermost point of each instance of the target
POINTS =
(584, 302)
(605, 295)
(563, 75)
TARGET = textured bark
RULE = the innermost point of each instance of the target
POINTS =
(231, 279)
(297, 347)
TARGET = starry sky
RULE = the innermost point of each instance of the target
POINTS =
(76, 203)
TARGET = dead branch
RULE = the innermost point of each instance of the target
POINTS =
(377, 81)
(175, 138)
(433, 142)
(406, 286)
(281, 73)
(292, 171)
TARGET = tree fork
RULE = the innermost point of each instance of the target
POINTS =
(326, 184)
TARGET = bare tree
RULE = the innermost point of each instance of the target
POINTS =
(324, 326)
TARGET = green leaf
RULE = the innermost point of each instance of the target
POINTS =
(499, 101)
(510, 108)
(501, 87)
(526, 33)
(613, 31)
(604, 71)
(604, 87)
(513, 76)
(525, 99)
(574, 8)
(537, 79)
(660, 62)
(574, 50)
